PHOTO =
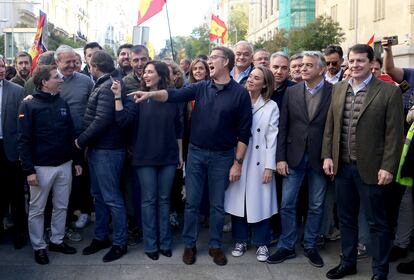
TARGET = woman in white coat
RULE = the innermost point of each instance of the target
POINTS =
(251, 201)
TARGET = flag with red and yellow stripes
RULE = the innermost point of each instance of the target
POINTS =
(149, 8)
(371, 41)
(218, 29)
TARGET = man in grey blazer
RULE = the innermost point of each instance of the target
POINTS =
(301, 127)
(362, 146)
(11, 178)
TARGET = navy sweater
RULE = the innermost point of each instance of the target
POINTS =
(156, 128)
(221, 117)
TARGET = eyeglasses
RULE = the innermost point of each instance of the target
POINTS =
(214, 57)
(333, 63)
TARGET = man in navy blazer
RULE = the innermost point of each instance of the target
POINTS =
(12, 191)
(301, 127)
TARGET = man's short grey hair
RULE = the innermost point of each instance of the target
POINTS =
(279, 54)
(318, 55)
(62, 49)
(296, 56)
(249, 45)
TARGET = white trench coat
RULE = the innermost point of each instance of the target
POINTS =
(249, 192)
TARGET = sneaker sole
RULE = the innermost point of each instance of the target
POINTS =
(262, 259)
(237, 254)
(282, 260)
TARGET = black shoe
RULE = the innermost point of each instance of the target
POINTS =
(314, 257)
(397, 253)
(320, 241)
(406, 268)
(377, 277)
(190, 255)
(281, 255)
(19, 241)
(152, 255)
(116, 252)
(96, 246)
(41, 256)
(62, 248)
(167, 253)
(340, 271)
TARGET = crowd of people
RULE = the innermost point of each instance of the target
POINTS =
(315, 140)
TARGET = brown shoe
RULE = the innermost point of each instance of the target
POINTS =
(219, 258)
(189, 256)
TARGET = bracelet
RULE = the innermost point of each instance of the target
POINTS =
(118, 98)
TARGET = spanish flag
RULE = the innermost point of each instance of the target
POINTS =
(149, 8)
(218, 29)
(371, 41)
(38, 46)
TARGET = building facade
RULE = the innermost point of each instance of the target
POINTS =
(269, 16)
(362, 19)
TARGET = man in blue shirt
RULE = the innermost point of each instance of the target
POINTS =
(220, 132)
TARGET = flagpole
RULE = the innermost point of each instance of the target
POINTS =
(169, 29)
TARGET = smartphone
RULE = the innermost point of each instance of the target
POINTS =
(392, 40)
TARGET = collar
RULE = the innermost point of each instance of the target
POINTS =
(1, 83)
(362, 86)
(315, 89)
(333, 79)
(242, 74)
(64, 78)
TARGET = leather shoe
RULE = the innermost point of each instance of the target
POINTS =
(152, 255)
(189, 255)
(96, 245)
(116, 252)
(377, 277)
(219, 258)
(406, 268)
(62, 248)
(314, 257)
(167, 253)
(41, 256)
(340, 271)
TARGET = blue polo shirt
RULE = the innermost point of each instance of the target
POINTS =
(222, 115)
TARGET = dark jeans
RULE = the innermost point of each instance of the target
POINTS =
(156, 183)
(260, 231)
(350, 190)
(80, 197)
(105, 170)
(215, 165)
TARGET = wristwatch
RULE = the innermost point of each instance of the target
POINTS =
(239, 160)
(118, 98)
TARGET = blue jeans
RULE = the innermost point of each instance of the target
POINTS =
(351, 191)
(260, 231)
(156, 183)
(215, 165)
(291, 186)
(105, 170)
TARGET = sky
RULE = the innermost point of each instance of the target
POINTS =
(184, 16)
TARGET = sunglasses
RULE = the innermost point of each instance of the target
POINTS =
(333, 63)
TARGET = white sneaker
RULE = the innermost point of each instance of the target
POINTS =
(262, 253)
(82, 221)
(239, 249)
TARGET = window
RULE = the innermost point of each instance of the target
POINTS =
(334, 12)
(379, 10)
(352, 14)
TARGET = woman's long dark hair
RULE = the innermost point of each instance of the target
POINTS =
(163, 72)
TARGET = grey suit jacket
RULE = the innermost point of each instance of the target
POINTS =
(297, 132)
(11, 98)
(379, 129)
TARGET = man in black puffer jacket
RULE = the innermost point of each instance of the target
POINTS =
(45, 138)
(106, 152)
